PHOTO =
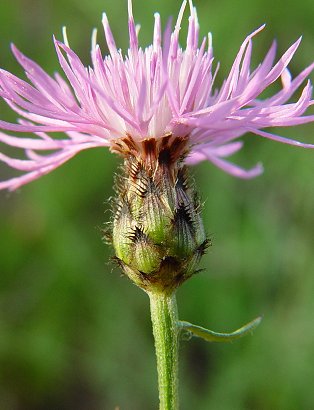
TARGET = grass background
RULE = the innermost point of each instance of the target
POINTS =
(74, 333)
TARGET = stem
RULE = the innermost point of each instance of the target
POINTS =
(165, 329)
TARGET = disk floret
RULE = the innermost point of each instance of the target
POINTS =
(158, 234)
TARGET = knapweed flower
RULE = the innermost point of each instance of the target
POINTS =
(162, 89)
(157, 107)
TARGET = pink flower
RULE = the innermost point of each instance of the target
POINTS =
(146, 94)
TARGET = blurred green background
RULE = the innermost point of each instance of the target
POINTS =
(74, 333)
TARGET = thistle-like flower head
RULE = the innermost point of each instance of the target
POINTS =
(146, 94)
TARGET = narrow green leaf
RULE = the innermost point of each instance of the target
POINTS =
(210, 336)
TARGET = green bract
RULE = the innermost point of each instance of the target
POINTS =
(158, 234)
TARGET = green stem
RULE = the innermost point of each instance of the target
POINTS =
(165, 329)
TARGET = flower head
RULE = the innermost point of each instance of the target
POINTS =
(147, 94)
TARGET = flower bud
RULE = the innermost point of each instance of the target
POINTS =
(158, 234)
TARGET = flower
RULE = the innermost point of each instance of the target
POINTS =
(149, 93)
